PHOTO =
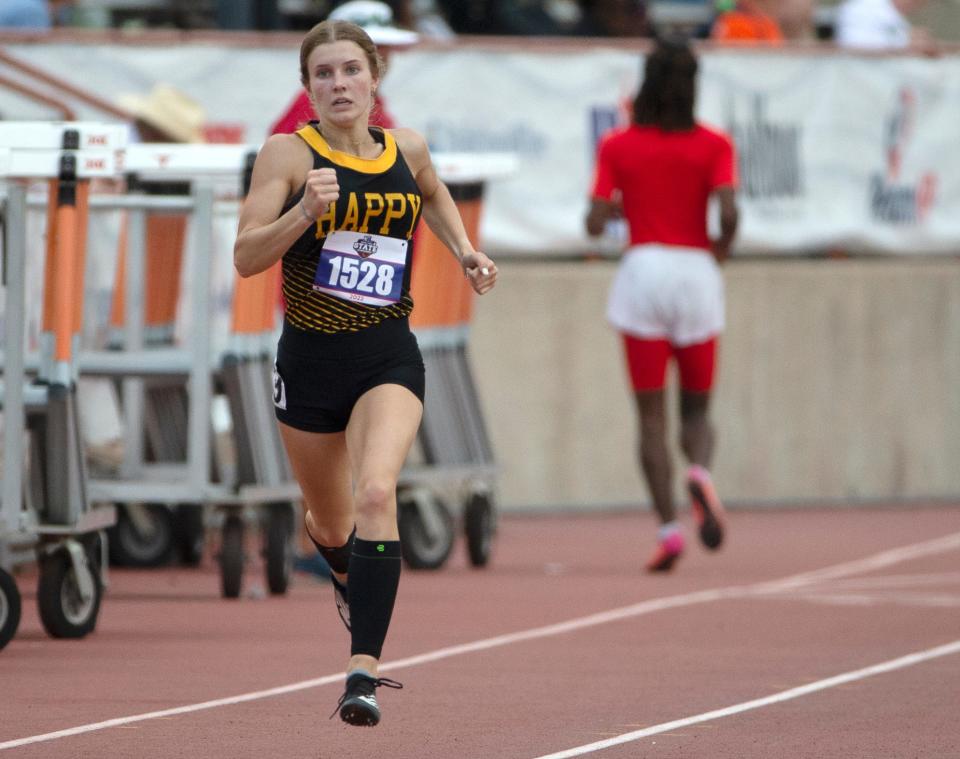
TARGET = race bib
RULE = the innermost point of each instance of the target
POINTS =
(362, 268)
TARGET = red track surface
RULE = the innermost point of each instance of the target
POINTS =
(165, 639)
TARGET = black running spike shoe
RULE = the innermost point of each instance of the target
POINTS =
(358, 704)
(340, 597)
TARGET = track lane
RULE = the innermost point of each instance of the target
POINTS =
(524, 586)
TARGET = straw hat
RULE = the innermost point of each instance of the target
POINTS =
(376, 18)
(168, 110)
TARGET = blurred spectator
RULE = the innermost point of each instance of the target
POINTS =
(466, 16)
(248, 14)
(25, 14)
(377, 19)
(747, 21)
(881, 24)
(613, 18)
(513, 17)
(797, 20)
(165, 115)
(424, 17)
(534, 17)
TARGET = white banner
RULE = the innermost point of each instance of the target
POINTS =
(836, 151)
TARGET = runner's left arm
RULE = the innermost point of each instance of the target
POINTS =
(441, 214)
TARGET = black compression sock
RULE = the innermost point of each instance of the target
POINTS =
(374, 577)
(338, 557)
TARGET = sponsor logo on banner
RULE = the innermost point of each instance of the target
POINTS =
(447, 137)
(768, 154)
(603, 118)
(892, 199)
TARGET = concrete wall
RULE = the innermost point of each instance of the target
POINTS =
(839, 379)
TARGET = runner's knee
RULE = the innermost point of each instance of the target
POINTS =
(375, 498)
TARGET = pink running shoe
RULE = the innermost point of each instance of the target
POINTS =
(667, 552)
(706, 506)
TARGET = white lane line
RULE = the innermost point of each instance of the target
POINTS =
(121, 721)
(787, 695)
(644, 607)
(886, 582)
(877, 561)
(614, 615)
(888, 598)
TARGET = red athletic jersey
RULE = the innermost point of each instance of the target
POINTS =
(300, 111)
(664, 180)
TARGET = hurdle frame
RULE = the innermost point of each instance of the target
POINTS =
(46, 516)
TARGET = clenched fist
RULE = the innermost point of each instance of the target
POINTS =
(321, 189)
(481, 271)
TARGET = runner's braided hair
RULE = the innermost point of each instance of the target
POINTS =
(668, 92)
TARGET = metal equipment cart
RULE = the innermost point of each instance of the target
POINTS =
(46, 514)
(456, 477)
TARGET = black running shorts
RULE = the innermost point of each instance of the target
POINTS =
(319, 377)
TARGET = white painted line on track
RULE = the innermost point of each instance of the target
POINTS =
(877, 561)
(160, 714)
(909, 660)
(929, 600)
(885, 558)
(885, 582)
(644, 607)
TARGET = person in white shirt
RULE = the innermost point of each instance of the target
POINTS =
(880, 24)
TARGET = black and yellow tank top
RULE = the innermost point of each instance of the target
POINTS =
(352, 270)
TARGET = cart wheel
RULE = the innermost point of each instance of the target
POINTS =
(93, 543)
(479, 525)
(232, 556)
(189, 534)
(278, 546)
(63, 610)
(9, 608)
(142, 536)
(426, 529)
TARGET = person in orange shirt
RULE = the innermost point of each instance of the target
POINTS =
(746, 21)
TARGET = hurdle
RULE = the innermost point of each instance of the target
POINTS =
(263, 471)
(180, 425)
(46, 514)
(168, 391)
(457, 471)
(457, 459)
(146, 534)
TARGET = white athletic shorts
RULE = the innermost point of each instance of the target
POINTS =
(667, 291)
